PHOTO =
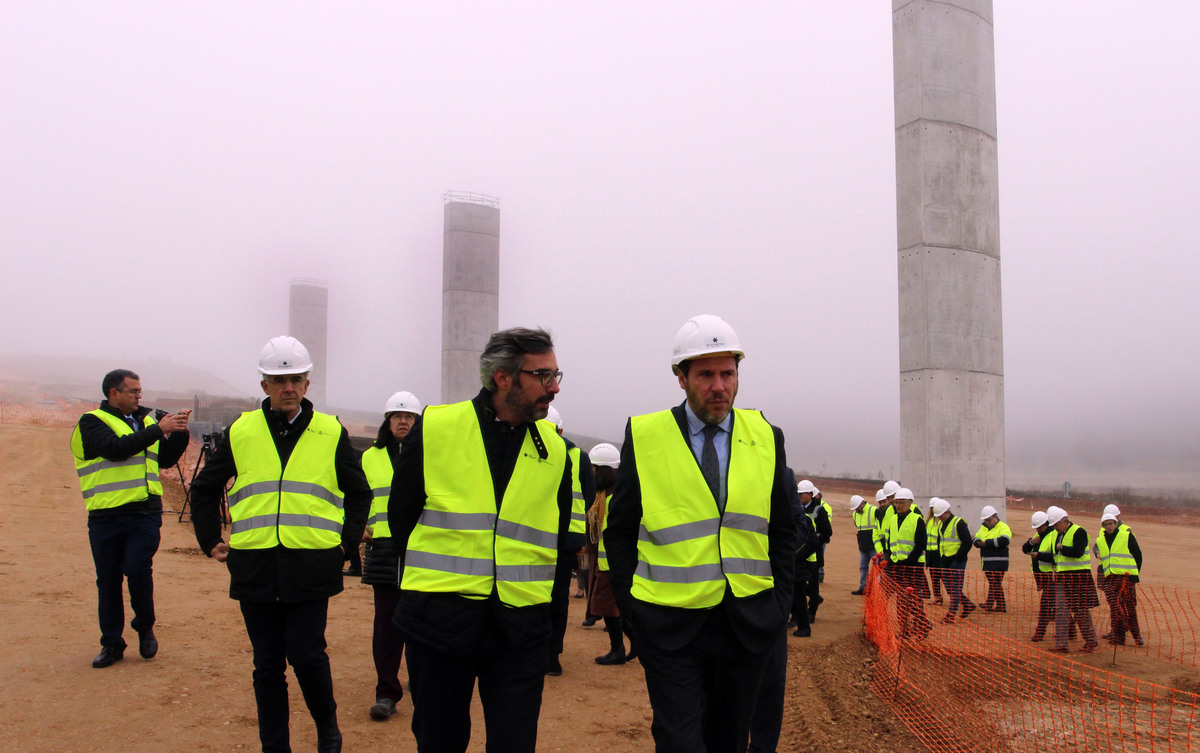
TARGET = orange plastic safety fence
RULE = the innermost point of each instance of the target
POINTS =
(983, 684)
(60, 413)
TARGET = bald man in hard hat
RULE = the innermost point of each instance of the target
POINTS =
(299, 502)
(1075, 591)
(1043, 571)
(700, 540)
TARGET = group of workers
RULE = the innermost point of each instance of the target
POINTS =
(894, 534)
(699, 539)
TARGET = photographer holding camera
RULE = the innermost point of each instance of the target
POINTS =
(118, 451)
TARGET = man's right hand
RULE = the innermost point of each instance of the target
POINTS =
(173, 422)
(220, 552)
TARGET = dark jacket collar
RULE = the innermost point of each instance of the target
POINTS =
(138, 414)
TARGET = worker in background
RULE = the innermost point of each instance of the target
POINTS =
(864, 525)
(1121, 562)
(906, 561)
(933, 556)
(700, 540)
(605, 460)
(381, 566)
(1043, 572)
(992, 540)
(879, 536)
(1075, 591)
(480, 508)
(298, 504)
(583, 493)
(805, 564)
(953, 549)
(119, 450)
(820, 518)
(820, 500)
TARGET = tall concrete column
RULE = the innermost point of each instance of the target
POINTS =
(470, 288)
(947, 196)
(308, 322)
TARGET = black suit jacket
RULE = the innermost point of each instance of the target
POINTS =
(756, 620)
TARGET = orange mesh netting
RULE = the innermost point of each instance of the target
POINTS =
(981, 684)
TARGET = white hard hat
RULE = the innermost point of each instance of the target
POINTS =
(987, 512)
(553, 416)
(1108, 516)
(890, 488)
(1039, 520)
(806, 486)
(705, 335)
(903, 493)
(605, 454)
(403, 402)
(284, 355)
(816, 491)
(880, 495)
(1054, 514)
(939, 506)
(855, 501)
(1112, 510)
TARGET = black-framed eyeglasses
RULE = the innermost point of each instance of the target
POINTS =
(545, 376)
(135, 393)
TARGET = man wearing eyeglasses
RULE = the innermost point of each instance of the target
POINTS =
(119, 449)
(480, 506)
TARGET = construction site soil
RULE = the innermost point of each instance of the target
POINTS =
(196, 694)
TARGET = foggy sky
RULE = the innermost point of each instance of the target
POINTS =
(168, 168)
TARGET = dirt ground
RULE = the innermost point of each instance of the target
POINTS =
(196, 694)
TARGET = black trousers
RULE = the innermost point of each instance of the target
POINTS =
(767, 722)
(387, 644)
(800, 603)
(123, 548)
(702, 694)
(510, 689)
(283, 634)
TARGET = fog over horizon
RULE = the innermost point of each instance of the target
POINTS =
(169, 168)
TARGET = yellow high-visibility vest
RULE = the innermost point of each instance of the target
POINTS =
(986, 534)
(299, 506)
(1045, 544)
(950, 544)
(461, 544)
(1065, 564)
(881, 529)
(933, 537)
(687, 548)
(1118, 560)
(111, 483)
(601, 555)
(902, 537)
(865, 520)
(377, 465)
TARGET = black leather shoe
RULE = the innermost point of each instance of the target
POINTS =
(612, 657)
(329, 738)
(802, 632)
(107, 656)
(554, 669)
(589, 622)
(351, 572)
(147, 644)
(858, 592)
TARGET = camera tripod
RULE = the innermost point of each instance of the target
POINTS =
(207, 447)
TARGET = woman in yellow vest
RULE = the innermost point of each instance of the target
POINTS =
(381, 564)
(1121, 562)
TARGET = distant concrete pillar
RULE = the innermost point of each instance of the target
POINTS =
(308, 322)
(947, 196)
(470, 288)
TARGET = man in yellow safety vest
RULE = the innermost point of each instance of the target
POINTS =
(480, 508)
(700, 541)
(298, 504)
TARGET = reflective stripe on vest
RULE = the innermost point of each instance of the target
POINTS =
(881, 528)
(377, 465)
(933, 536)
(1118, 561)
(949, 544)
(300, 506)
(812, 532)
(601, 555)
(687, 549)
(460, 544)
(1064, 564)
(1045, 544)
(111, 483)
(997, 531)
(902, 536)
